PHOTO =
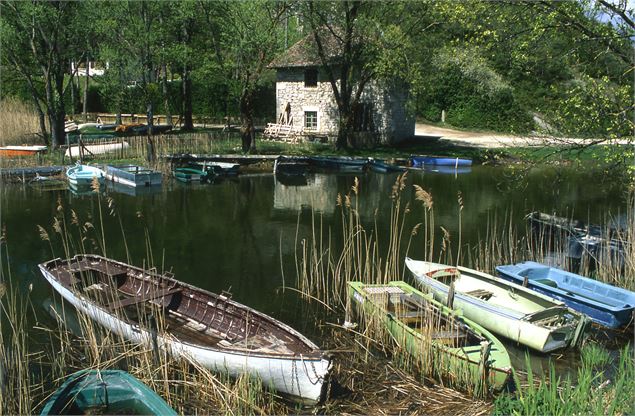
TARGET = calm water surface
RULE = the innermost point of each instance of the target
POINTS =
(240, 233)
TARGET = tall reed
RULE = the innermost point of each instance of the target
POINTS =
(19, 123)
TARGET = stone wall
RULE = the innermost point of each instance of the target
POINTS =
(390, 119)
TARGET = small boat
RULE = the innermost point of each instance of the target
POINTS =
(188, 175)
(96, 149)
(605, 304)
(107, 127)
(105, 392)
(507, 309)
(447, 170)
(291, 166)
(218, 168)
(211, 329)
(21, 150)
(133, 175)
(340, 164)
(419, 161)
(380, 166)
(83, 175)
(414, 319)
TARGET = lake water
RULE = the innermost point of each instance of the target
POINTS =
(238, 234)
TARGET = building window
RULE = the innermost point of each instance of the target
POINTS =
(310, 120)
(310, 77)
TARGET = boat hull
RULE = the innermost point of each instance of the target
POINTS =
(299, 377)
(453, 360)
(133, 176)
(83, 175)
(109, 391)
(605, 304)
(419, 161)
(10, 151)
(501, 318)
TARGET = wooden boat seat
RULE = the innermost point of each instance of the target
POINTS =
(480, 293)
(143, 298)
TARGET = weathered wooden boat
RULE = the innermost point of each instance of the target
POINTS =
(96, 148)
(339, 164)
(415, 320)
(381, 166)
(211, 329)
(10, 151)
(83, 175)
(133, 175)
(291, 166)
(419, 161)
(105, 392)
(515, 312)
(188, 175)
(604, 303)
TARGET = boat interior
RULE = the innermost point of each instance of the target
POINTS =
(159, 302)
(596, 291)
(423, 316)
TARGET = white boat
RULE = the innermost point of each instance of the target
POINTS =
(211, 329)
(83, 175)
(505, 308)
(133, 175)
(96, 149)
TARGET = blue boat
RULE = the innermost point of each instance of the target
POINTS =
(605, 304)
(419, 161)
(105, 392)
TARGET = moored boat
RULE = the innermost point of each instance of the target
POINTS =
(96, 148)
(105, 392)
(188, 175)
(21, 150)
(340, 164)
(415, 320)
(419, 161)
(604, 303)
(218, 168)
(133, 175)
(515, 312)
(83, 175)
(381, 166)
(213, 330)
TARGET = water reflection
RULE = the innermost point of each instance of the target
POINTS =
(319, 194)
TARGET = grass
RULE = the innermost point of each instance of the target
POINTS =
(18, 123)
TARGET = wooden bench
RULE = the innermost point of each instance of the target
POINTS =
(143, 298)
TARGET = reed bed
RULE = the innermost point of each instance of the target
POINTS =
(19, 123)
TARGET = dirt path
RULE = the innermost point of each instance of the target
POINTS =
(476, 139)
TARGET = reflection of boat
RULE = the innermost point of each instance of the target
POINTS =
(133, 175)
(83, 175)
(447, 170)
(419, 161)
(105, 392)
(602, 244)
(415, 321)
(96, 149)
(211, 329)
(340, 164)
(605, 304)
(382, 167)
(187, 175)
(291, 171)
(136, 191)
(21, 150)
(507, 309)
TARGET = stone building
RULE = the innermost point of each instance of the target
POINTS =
(306, 103)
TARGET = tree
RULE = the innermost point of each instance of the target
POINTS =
(42, 37)
(358, 42)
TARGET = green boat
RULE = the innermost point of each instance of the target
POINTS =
(105, 392)
(188, 175)
(421, 325)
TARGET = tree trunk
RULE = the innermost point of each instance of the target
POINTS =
(247, 130)
(166, 95)
(188, 123)
(85, 108)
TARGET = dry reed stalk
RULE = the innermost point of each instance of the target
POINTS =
(19, 123)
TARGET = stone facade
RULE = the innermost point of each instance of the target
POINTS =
(386, 105)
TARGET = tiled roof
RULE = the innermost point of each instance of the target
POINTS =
(304, 53)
